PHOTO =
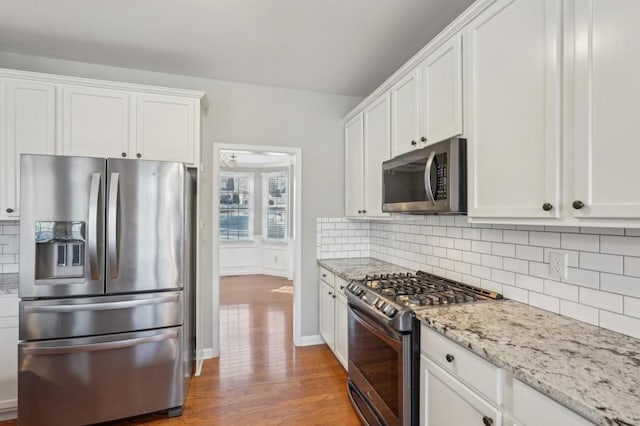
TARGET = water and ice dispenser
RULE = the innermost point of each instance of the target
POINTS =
(60, 250)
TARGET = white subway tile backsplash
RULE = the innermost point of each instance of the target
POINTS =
(491, 261)
(530, 253)
(620, 284)
(601, 299)
(632, 266)
(632, 306)
(9, 247)
(492, 235)
(582, 277)
(542, 301)
(530, 283)
(601, 262)
(561, 290)
(516, 237)
(579, 312)
(501, 249)
(628, 246)
(580, 242)
(620, 323)
(544, 239)
(515, 265)
(481, 247)
(511, 292)
(602, 286)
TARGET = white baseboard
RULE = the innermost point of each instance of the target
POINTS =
(310, 340)
(209, 353)
(243, 270)
(9, 413)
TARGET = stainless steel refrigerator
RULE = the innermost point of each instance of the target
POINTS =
(106, 286)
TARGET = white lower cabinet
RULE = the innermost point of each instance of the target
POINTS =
(8, 357)
(459, 388)
(333, 315)
(445, 401)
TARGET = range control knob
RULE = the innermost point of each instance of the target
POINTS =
(389, 310)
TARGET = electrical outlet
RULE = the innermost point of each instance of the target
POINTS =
(558, 264)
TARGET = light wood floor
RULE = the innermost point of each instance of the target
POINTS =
(260, 377)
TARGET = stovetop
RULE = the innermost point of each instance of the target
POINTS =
(423, 289)
(395, 297)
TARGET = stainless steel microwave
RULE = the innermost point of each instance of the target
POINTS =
(428, 180)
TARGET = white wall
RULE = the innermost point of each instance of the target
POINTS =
(257, 115)
(602, 285)
(255, 257)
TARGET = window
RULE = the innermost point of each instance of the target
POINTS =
(275, 201)
(236, 206)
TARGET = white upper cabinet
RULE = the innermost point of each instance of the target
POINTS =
(405, 114)
(354, 163)
(606, 107)
(95, 122)
(30, 129)
(442, 92)
(377, 148)
(513, 109)
(165, 128)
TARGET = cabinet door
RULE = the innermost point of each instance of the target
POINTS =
(165, 128)
(341, 331)
(445, 401)
(353, 173)
(95, 122)
(9, 353)
(377, 148)
(442, 92)
(607, 55)
(30, 115)
(405, 113)
(513, 109)
(326, 313)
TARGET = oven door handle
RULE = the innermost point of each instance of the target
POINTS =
(392, 339)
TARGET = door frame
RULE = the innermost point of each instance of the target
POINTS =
(297, 241)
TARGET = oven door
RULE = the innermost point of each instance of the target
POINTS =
(380, 367)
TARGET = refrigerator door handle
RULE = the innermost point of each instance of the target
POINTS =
(112, 225)
(94, 201)
(122, 304)
(106, 346)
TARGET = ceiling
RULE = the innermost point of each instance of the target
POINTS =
(344, 47)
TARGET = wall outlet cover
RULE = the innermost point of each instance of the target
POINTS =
(558, 264)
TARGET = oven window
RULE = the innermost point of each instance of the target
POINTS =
(377, 362)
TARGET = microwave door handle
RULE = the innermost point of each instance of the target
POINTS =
(427, 177)
(94, 204)
(112, 225)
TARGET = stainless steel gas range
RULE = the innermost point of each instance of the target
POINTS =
(384, 340)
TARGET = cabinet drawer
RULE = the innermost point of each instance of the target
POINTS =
(327, 276)
(531, 407)
(339, 285)
(462, 363)
(9, 306)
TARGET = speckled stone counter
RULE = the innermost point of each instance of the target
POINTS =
(358, 268)
(8, 284)
(594, 371)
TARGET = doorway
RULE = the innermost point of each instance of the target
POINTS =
(256, 220)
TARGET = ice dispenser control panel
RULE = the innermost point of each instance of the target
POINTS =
(60, 250)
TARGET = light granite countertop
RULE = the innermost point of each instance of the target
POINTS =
(358, 268)
(594, 371)
(8, 284)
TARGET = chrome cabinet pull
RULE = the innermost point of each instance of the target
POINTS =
(578, 204)
(547, 206)
(449, 358)
(487, 421)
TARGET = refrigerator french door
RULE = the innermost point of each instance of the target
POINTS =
(106, 270)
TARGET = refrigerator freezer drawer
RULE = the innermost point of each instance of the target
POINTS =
(95, 379)
(89, 316)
